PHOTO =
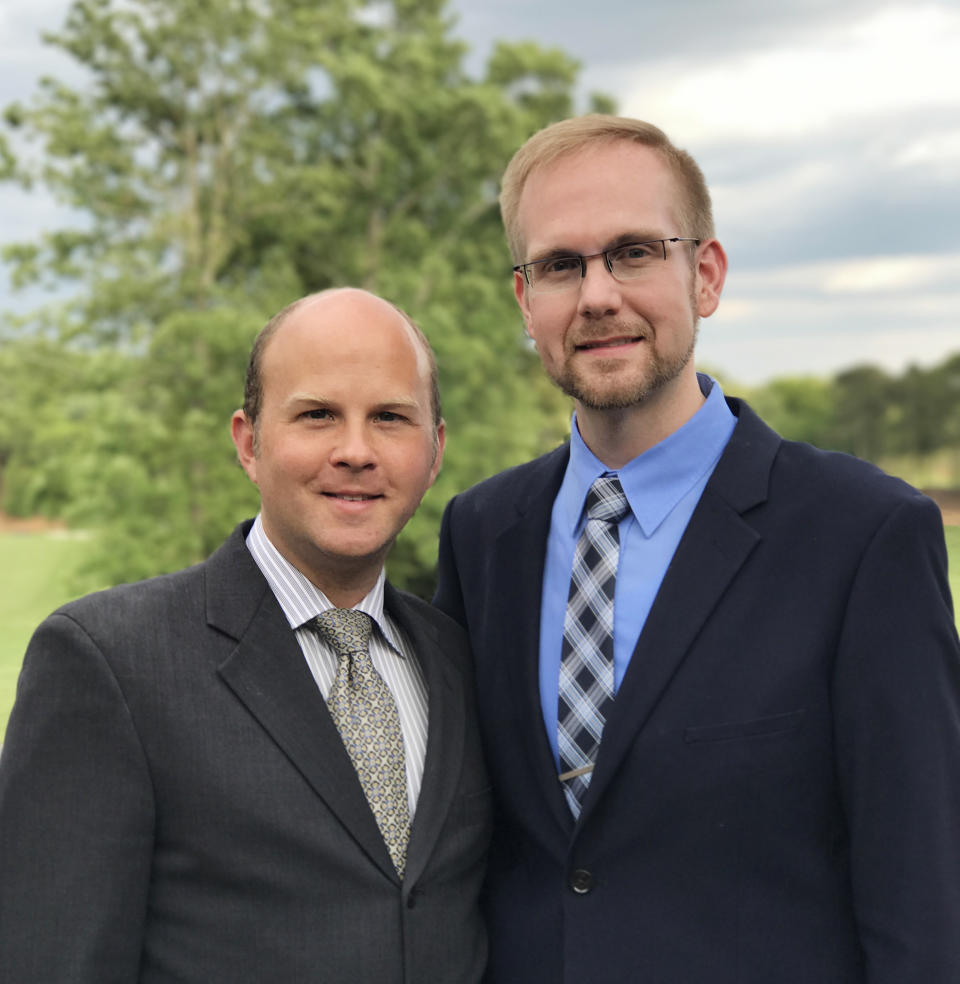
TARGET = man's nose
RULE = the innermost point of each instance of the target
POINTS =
(354, 447)
(600, 292)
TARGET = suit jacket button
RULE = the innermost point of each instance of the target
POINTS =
(581, 881)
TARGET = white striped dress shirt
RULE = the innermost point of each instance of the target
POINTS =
(390, 650)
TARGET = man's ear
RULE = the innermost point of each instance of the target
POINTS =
(711, 273)
(520, 292)
(441, 444)
(242, 432)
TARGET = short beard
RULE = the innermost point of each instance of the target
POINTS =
(594, 395)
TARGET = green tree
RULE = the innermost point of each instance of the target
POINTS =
(922, 401)
(50, 396)
(799, 408)
(950, 383)
(863, 412)
(227, 156)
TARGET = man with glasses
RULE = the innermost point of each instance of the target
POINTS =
(718, 673)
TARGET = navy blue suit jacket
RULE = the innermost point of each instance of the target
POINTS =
(777, 795)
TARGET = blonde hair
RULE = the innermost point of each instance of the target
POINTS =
(581, 132)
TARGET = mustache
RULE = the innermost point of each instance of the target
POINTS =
(595, 331)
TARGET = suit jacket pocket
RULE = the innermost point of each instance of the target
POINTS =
(757, 728)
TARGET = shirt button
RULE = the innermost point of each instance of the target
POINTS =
(581, 881)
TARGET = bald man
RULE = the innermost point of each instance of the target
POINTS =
(265, 767)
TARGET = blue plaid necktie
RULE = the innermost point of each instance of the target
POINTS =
(366, 716)
(586, 664)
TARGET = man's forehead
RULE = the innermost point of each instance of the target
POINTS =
(589, 157)
(347, 327)
(337, 303)
(598, 196)
(348, 314)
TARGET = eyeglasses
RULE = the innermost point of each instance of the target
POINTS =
(627, 262)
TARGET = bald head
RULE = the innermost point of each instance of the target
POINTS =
(340, 437)
(349, 303)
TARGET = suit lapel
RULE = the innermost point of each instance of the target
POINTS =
(445, 733)
(519, 553)
(269, 675)
(715, 545)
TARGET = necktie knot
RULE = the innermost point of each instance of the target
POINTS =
(606, 500)
(345, 629)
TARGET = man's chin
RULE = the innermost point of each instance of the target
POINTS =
(613, 387)
(609, 394)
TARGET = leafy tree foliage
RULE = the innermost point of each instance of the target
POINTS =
(226, 157)
(50, 394)
(870, 413)
(798, 408)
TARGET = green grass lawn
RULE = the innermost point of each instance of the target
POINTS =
(953, 549)
(35, 571)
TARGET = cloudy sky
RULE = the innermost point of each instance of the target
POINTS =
(829, 134)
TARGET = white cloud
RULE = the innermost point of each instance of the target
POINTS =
(24, 56)
(818, 318)
(908, 274)
(785, 192)
(824, 130)
(888, 274)
(898, 59)
(755, 358)
(939, 152)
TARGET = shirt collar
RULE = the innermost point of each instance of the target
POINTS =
(299, 598)
(655, 481)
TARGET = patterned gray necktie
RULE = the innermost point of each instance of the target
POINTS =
(365, 713)
(586, 665)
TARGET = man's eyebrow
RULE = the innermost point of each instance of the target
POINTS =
(552, 254)
(398, 404)
(622, 240)
(307, 399)
(634, 237)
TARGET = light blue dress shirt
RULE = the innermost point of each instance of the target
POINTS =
(663, 486)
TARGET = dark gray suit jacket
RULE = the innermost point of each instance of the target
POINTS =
(176, 804)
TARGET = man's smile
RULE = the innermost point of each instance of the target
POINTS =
(353, 496)
(607, 343)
